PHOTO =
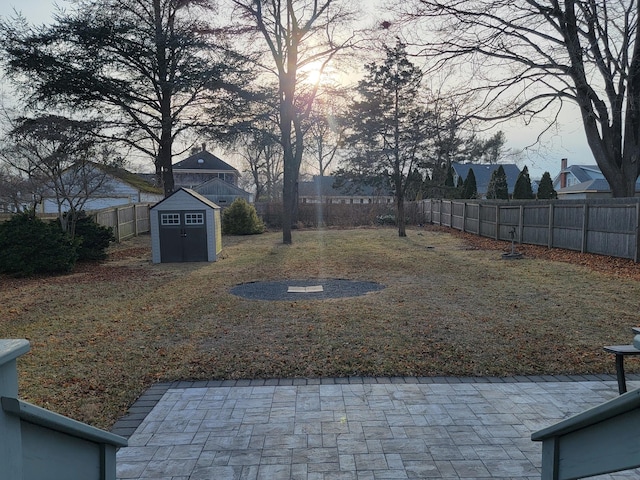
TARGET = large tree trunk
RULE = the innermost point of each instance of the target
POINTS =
(402, 229)
(166, 89)
(164, 160)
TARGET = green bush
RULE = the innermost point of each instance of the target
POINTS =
(545, 188)
(93, 239)
(241, 218)
(522, 189)
(28, 246)
(469, 187)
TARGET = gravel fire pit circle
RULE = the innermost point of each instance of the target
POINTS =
(316, 289)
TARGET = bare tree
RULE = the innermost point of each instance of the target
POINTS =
(147, 67)
(327, 129)
(527, 57)
(14, 189)
(263, 157)
(59, 158)
(296, 33)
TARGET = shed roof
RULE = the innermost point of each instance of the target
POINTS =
(188, 191)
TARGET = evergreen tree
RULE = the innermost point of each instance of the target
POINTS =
(390, 128)
(522, 189)
(449, 180)
(498, 188)
(469, 187)
(545, 188)
(144, 68)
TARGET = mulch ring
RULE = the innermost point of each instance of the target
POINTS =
(312, 289)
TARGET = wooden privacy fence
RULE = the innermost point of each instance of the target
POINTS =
(127, 221)
(606, 227)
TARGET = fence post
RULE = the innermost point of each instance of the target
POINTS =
(521, 224)
(464, 216)
(497, 207)
(430, 211)
(451, 214)
(135, 220)
(585, 228)
(550, 232)
(636, 256)
(117, 212)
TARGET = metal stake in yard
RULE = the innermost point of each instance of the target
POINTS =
(513, 255)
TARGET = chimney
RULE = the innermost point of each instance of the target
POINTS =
(204, 147)
(563, 173)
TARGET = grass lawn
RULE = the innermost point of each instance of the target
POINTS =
(102, 335)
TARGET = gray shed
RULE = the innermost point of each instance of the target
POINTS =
(185, 227)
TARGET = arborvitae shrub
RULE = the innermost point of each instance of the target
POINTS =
(241, 218)
(522, 189)
(28, 246)
(93, 239)
(469, 187)
(545, 188)
(498, 188)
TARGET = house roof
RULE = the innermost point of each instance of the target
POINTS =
(483, 171)
(326, 186)
(590, 185)
(589, 177)
(131, 178)
(191, 193)
(204, 160)
(217, 186)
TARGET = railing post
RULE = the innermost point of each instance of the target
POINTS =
(11, 436)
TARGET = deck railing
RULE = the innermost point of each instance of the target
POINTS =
(38, 444)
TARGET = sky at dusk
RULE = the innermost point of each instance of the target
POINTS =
(567, 140)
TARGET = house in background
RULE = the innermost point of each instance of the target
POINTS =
(325, 189)
(200, 167)
(482, 172)
(105, 187)
(582, 181)
(222, 193)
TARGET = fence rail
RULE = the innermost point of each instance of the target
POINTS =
(127, 221)
(606, 227)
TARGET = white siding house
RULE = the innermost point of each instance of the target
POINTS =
(102, 187)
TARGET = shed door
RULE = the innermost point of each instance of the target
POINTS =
(183, 236)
